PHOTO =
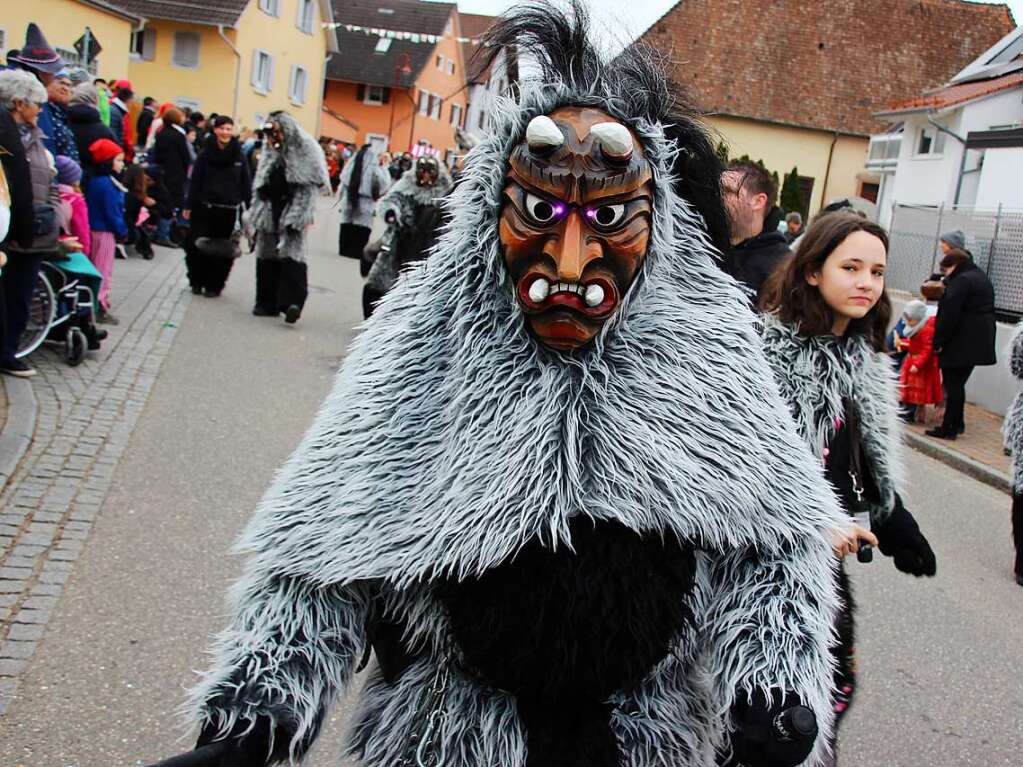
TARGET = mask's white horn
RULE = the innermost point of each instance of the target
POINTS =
(615, 141)
(542, 135)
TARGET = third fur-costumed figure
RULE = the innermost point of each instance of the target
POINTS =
(554, 502)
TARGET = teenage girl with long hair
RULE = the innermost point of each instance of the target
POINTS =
(826, 317)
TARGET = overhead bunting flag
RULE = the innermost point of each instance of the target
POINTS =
(397, 34)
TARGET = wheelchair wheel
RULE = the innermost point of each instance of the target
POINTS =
(76, 344)
(42, 309)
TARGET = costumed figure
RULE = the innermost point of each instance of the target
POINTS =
(288, 179)
(1012, 435)
(824, 336)
(411, 212)
(554, 490)
(920, 375)
(363, 181)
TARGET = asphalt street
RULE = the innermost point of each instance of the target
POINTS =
(940, 658)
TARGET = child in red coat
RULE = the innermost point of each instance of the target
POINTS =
(920, 378)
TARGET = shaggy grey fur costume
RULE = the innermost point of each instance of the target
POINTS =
(452, 438)
(1012, 428)
(306, 170)
(402, 200)
(815, 373)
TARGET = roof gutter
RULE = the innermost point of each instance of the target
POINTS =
(962, 160)
(237, 69)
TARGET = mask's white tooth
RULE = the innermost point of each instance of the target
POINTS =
(594, 295)
(539, 290)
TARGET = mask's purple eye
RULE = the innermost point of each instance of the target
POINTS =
(543, 211)
(606, 216)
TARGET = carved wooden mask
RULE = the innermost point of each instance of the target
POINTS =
(575, 224)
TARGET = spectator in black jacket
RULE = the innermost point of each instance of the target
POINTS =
(145, 119)
(758, 248)
(964, 334)
(171, 154)
(86, 124)
(219, 187)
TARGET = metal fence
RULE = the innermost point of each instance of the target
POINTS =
(994, 236)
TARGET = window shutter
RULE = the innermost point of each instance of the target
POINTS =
(254, 79)
(360, 92)
(270, 76)
(387, 95)
(148, 44)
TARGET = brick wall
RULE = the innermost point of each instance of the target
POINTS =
(826, 65)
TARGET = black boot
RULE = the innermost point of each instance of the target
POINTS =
(293, 288)
(268, 274)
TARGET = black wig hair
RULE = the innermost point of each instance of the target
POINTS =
(632, 85)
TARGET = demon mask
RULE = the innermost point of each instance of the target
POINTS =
(576, 222)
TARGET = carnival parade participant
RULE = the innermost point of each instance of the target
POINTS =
(825, 324)
(411, 211)
(553, 562)
(290, 175)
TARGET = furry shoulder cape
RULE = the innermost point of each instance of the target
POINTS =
(1012, 427)
(815, 373)
(452, 437)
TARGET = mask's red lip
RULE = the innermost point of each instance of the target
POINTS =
(568, 300)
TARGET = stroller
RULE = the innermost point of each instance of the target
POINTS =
(62, 308)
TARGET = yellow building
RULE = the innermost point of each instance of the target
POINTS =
(65, 21)
(245, 58)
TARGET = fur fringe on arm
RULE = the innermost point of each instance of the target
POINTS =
(289, 650)
(770, 626)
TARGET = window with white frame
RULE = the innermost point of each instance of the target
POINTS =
(451, 67)
(262, 71)
(143, 44)
(436, 103)
(375, 95)
(186, 50)
(456, 115)
(424, 102)
(383, 45)
(270, 7)
(297, 84)
(930, 142)
(306, 16)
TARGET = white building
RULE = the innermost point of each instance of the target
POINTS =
(484, 83)
(961, 144)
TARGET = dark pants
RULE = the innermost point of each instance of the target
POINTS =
(352, 240)
(280, 283)
(205, 271)
(18, 283)
(1017, 531)
(954, 380)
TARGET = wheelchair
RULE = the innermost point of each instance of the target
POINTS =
(62, 309)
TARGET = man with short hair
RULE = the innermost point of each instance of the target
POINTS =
(119, 123)
(757, 245)
(145, 120)
(793, 226)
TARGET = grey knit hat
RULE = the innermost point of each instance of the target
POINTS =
(955, 238)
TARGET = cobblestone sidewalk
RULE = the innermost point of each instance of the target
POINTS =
(85, 417)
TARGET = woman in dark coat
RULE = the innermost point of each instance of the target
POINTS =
(219, 187)
(964, 334)
(170, 152)
(86, 124)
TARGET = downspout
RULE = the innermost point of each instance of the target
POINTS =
(962, 160)
(237, 70)
(827, 171)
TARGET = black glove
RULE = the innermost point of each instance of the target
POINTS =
(763, 738)
(899, 537)
(246, 749)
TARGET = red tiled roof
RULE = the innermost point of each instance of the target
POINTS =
(828, 66)
(956, 94)
(472, 26)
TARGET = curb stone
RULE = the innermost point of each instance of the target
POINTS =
(972, 468)
(19, 428)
